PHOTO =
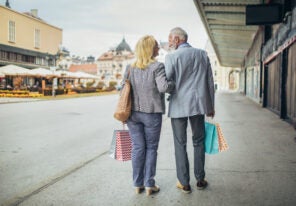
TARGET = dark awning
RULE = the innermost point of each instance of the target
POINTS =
(25, 51)
(224, 21)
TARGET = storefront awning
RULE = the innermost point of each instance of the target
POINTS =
(13, 70)
(42, 72)
(225, 23)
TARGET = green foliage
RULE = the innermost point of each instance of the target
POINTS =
(100, 85)
(90, 84)
(112, 84)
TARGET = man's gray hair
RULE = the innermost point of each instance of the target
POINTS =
(181, 33)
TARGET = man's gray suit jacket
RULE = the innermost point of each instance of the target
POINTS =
(191, 71)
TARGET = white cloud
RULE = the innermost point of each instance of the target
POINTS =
(92, 27)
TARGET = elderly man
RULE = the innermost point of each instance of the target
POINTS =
(192, 99)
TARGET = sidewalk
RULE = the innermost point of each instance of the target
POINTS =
(258, 169)
(4, 100)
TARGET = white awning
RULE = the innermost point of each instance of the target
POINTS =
(76, 75)
(13, 70)
(83, 75)
(42, 72)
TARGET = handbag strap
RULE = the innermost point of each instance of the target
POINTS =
(128, 72)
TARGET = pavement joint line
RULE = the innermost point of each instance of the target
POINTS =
(18, 199)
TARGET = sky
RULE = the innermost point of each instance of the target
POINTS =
(92, 27)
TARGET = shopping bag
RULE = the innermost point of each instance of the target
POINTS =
(112, 150)
(223, 146)
(211, 138)
(121, 145)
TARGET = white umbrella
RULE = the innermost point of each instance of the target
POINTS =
(43, 72)
(65, 74)
(13, 70)
(83, 75)
(2, 75)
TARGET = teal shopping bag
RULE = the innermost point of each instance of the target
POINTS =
(211, 138)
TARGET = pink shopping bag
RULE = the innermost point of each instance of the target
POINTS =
(121, 145)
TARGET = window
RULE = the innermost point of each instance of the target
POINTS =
(11, 35)
(24, 58)
(18, 57)
(37, 38)
(3, 55)
(12, 56)
(38, 60)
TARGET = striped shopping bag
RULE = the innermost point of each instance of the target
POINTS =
(121, 145)
(223, 146)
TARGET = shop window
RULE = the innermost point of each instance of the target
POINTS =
(24, 58)
(19, 57)
(38, 60)
(4, 55)
(31, 59)
(12, 57)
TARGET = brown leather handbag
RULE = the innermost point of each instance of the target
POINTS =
(124, 105)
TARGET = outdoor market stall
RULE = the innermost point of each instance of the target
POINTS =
(45, 81)
(14, 77)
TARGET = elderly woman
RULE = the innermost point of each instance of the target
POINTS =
(149, 83)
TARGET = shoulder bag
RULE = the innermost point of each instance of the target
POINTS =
(124, 105)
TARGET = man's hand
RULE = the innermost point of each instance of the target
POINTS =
(212, 114)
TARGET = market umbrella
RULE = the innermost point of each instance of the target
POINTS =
(84, 75)
(13, 70)
(66, 74)
(42, 72)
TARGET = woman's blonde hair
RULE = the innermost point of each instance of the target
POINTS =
(144, 52)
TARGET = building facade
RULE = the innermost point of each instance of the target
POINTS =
(259, 37)
(269, 70)
(225, 78)
(26, 40)
(87, 68)
(112, 64)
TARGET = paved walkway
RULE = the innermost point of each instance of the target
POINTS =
(4, 100)
(258, 169)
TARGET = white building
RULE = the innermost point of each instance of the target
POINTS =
(112, 64)
(225, 78)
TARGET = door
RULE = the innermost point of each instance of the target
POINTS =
(273, 97)
(291, 84)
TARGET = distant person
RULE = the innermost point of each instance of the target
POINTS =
(8, 86)
(192, 99)
(149, 83)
